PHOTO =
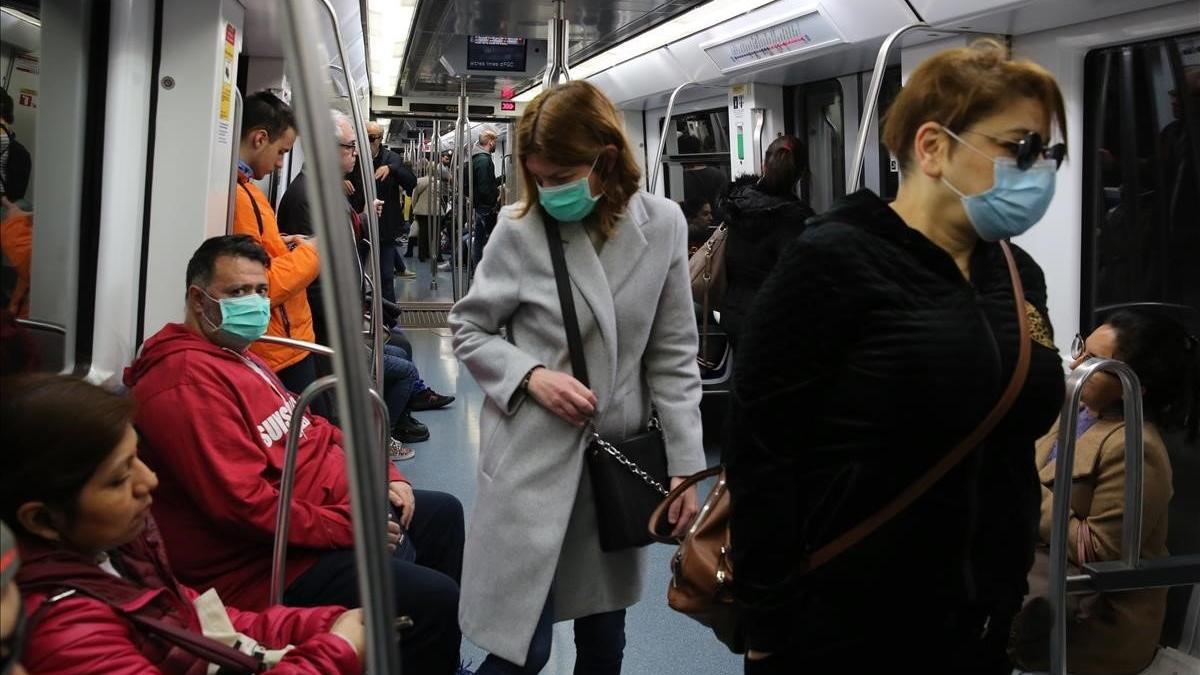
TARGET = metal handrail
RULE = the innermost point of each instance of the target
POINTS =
(459, 190)
(342, 293)
(1131, 523)
(236, 142)
(662, 140)
(871, 102)
(47, 326)
(288, 479)
(304, 345)
(367, 169)
(434, 236)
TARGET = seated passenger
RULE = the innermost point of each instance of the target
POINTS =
(12, 611)
(763, 214)
(213, 420)
(1114, 633)
(93, 566)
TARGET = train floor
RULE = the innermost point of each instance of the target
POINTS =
(659, 640)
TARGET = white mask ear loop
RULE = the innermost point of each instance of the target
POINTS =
(958, 138)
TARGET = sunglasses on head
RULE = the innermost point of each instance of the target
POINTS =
(1030, 149)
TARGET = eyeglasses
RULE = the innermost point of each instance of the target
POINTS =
(1078, 347)
(1029, 149)
(352, 145)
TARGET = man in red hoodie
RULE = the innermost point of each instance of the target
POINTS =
(213, 420)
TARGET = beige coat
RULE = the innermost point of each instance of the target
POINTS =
(422, 197)
(533, 524)
(1115, 633)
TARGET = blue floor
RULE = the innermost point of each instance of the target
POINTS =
(659, 640)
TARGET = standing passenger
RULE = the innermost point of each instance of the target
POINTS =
(884, 336)
(391, 177)
(268, 133)
(485, 190)
(763, 214)
(533, 555)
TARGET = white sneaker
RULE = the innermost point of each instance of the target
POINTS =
(398, 452)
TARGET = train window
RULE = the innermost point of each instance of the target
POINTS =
(696, 165)
(53, 67)
(20, 54)
(1141, 236)
(824, 132)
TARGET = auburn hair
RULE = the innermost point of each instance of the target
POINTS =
(570, 124)
(958, 87)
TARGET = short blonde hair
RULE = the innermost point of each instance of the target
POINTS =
(485, 135)
(958, 87)
(570, 124)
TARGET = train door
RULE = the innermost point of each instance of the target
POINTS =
(696, 164)
(1140, 231)
(822, 119)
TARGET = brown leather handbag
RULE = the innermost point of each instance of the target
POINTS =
(707, 269)
(701, 571)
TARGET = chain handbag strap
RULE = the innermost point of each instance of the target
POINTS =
(575, 348)
(627, 463)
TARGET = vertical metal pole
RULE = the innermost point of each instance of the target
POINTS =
(557, 71)
(435, 208)
(236, 141)
(1131, 525)
(460, 188)
(342, 293)
(367, 171)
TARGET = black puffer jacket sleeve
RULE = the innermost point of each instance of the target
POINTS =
(800, 323)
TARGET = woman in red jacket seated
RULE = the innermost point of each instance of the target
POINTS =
(93, 571)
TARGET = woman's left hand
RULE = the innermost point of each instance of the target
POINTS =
(683, 510)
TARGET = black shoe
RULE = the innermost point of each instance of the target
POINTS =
(408, 430)
(428, 399)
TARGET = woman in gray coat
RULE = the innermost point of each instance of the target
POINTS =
(533, 555)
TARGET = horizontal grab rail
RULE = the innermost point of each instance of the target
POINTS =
(298, 344)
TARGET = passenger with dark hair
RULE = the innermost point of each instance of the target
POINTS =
(1114, 633)
(880, 343)
(701, 181)
(763, 214)
(699, 214)
(16, 166)
(214, 421)
(93, 570)
(268, 133)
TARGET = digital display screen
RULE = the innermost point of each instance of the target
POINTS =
(504, 54)
(508, 106)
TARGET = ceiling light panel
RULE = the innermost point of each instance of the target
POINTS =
(389, 23)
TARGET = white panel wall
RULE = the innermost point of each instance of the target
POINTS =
(126, 136)
(191, 157)
(1055, 241)
(636, 132)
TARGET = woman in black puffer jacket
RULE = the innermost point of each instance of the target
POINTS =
(763, 215)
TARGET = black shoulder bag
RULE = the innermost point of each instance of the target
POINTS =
(629, 477)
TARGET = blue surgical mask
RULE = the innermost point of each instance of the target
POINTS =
(569, 202)
(1016, 201)
(244, 319)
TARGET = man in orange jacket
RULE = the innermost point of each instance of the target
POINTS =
(268, 133)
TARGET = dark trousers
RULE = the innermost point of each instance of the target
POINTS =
(599, 646)
(399, 376)
(485, 220)
(426, 237)
(425, 590)
(387, 268)
(298, 376)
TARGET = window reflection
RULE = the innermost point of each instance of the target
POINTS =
(20, 51)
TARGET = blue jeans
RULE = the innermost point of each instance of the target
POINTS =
(484, 218)
(399, 376)
(599, 646)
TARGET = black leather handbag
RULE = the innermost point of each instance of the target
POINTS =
(629, 477)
